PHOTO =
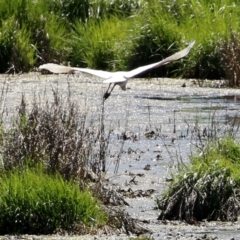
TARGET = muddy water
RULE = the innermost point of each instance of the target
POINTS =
(155, 122)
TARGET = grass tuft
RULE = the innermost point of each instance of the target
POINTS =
(195, 191)
(100, 44)
(35, 203)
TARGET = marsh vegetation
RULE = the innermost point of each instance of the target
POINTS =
(53, 163)
(33, 202)
(121, 34)
(207, 188)
(46, 155)
(53, 141)
(63, 130)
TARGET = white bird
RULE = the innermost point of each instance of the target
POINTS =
(117, 78)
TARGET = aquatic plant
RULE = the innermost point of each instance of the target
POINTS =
(207, 188)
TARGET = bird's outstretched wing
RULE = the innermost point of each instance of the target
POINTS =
(119, 76)
(56, 68)
(167, 60)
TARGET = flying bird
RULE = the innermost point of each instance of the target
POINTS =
(117, 78)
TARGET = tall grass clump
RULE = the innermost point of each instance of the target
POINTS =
(208, 188)
(153, 40)
(52, 40)
(207, 23)
(30, 34)
(115, 44)
(70, 10)
(100, 44)
(206, 60)
(33, 202)
(230, 51)
(56, 135)
(17, 53)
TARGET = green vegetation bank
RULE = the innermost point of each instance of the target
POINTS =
(122, 34)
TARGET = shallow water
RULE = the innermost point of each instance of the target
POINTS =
(159, 118)
(168, 113)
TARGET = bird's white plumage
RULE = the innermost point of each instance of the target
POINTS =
(116, 77)
(121, 77)
(165, 61)
(56, 68)
(98, 73)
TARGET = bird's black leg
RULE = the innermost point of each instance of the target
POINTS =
(107, 94)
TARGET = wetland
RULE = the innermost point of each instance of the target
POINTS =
(153, 126)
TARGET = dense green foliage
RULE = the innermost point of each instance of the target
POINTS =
(35, 203)
(119, 34)
(208, 188)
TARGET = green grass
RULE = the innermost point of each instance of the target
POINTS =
(102, 45)
(208, 187)
(225, 153)
(99, 44)
(153, 40)
(36, 203)
(209, 24)
(119, 35)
